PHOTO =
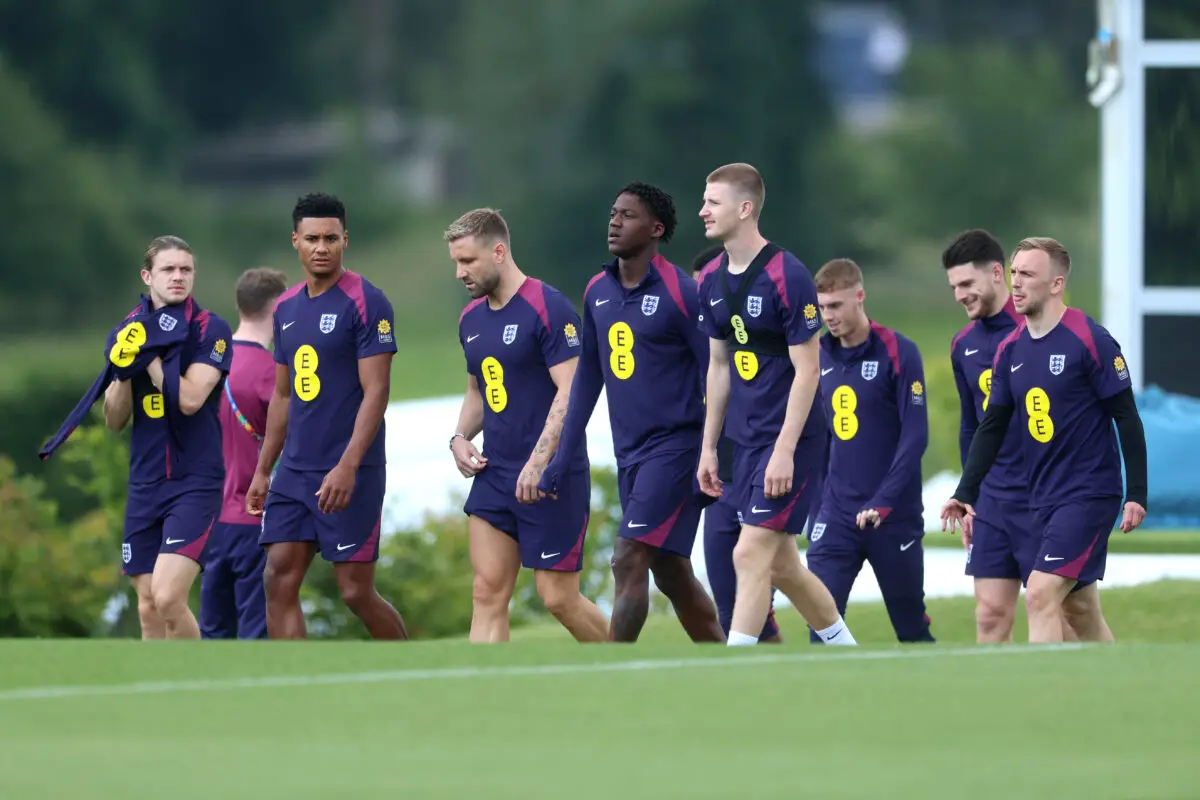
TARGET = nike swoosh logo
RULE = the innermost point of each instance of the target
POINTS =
(831, 638)
(287, 325)
(551, 555)
(971, 352)
(1059, 558)
(757, 510)
(600, 303)
(639, 525)
(472, 338)
(714, 302)
(175, 541)
(904, 547)
(1017, 367)
(825, 372)
(342, 547)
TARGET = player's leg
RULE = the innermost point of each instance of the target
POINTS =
(349, 539)
(835, 556)
(721, 531)
(1084, 617)
(218, 606)
(658, 531)
(1073, 552)
(151, 623)
(495, 557)
(551, 536)
(999, 532)
(289, 537)
(248, 560)
(139, 550)
(186, 529)
(171, 584)
(896, 553)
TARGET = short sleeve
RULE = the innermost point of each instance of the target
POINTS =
(1001, 370)
(801, 313)
(704, 317)
(216, 345)
(279, 355)
(1108, 372)
(376, 334)
(559, 337)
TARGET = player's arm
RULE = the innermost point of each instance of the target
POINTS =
(1125, 414)
(806, 361)
(118, 404)
(968, 423)
(375, 376)
(193, 386)
(989, 437)
(273, 439)
(563, 374)
(196, 385)
(470, 422)
(913, 407)
(586, 385)
(716, 393)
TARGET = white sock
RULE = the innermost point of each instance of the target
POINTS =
(741, 639)
(837, 634)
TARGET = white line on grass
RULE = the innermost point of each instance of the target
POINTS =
(459, 673)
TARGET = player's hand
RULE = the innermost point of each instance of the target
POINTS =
(256, 495)
(527, 481)
(868, 516)
(468, 460)
(956, 512)
(336, 488)
(154, 370)
(777, 480)
(706, 475)
(1133, 516)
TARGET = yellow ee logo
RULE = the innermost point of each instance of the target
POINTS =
(129, 343)
(845, 421)
(739, 329)
(1037, 404)
(152, 405)
(306, 382)
(746, 364)
(620, 339)
(493, 384)
(985, 386)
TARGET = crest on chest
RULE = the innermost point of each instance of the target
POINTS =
(869, 370)
(754, 305)
(510, 334)
(327, 323)
(649, 304)
(1057, 364)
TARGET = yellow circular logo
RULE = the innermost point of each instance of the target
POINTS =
(739, 329)
(810, 311)
(746, 364)
(385, 327)
(152, 406)
(128, 344)
(844, 403)
(1037, 404)
(307, 384)
(493, 384)
(621, 361)
(219, 347)
(985, 386)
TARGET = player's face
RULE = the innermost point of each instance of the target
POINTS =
(723, 211)
(975, 288)
(1034, 281)
(170, 277)
(631, 227)
(842, 309)
(320, 243)
(477, 264)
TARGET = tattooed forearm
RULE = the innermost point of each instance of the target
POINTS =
(548, 442)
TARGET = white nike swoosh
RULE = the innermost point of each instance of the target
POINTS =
(714, 302)
(1059, 558)
(971, 352)
(639, 524)
(472, 338)
(551, 555)
(175, 541)
(904, 547)
(825, 372)
(757, 510)
(287, 325)
(1017, 367)
(600, 302)
(342, 547)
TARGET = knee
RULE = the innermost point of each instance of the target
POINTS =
(488, 591)
(167, 604)
(749, 560)
(672, 578)
(557, 596)
(1041, 600)
(355, 592)
(280, 580)
(631, 563)
(1079, 611)
(992, 618)
(145, 606)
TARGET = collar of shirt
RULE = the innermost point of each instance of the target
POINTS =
(613, 269)
(845, 355)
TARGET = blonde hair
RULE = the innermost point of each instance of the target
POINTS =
(1060, 259)
(163, 244)
(483, 223)
(745, 179)
(838, 274)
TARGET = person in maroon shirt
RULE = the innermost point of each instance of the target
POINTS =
(232, 605)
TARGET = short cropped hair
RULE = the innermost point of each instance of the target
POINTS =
(838, 274)
(746, 179)
(482, 223)
(318, 205)
(660, 204)
(1060, 259)
(161, 244)
(976, 247)
(257, 289)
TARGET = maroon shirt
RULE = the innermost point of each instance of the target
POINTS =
(252, 382)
